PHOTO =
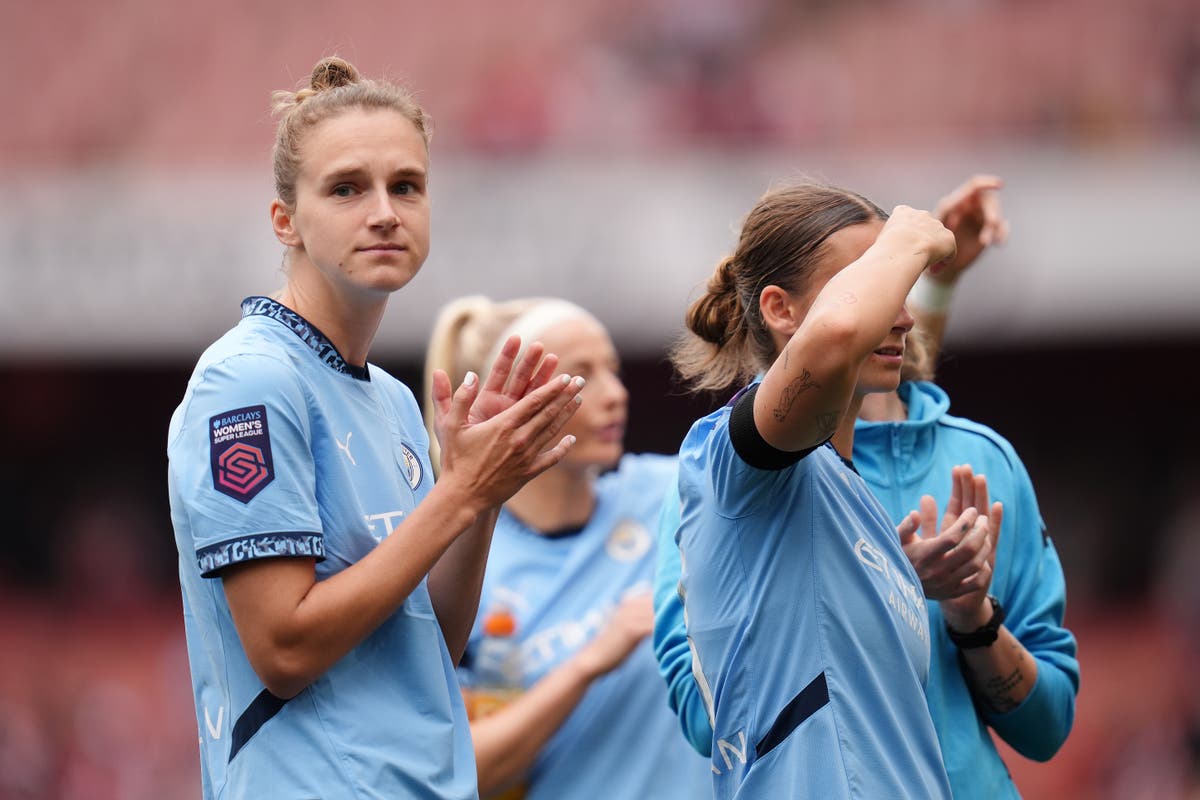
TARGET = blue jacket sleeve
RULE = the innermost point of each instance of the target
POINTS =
(670, 634)
(1035, 601)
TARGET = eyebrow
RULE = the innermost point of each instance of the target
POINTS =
(356, 171)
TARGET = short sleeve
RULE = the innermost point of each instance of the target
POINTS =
(709, 456)
(241, 465)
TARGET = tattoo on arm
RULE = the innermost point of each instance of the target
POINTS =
(793, 390)
(999, 690)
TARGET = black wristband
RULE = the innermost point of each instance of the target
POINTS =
(983, 636)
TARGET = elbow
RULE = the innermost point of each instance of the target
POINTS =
(1043, 749)
(841, 334)
(284, 674)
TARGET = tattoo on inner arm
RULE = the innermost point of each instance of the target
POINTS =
(999, 690)
(793, 390)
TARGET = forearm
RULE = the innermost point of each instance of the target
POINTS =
(1040, 725)
(808, 389)
(1002, 675)
(295, 628)
(507, 742)
(457, 578)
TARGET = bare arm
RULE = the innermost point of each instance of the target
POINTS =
(294, 628)
(808, 389)
(457, 578)
(507, 742)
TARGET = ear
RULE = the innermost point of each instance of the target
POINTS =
(282, 222)
(780, 312)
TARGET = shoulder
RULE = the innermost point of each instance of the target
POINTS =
(981, 439)
(234, 375)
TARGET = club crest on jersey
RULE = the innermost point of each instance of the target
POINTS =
(239, 447)
(629, 541)
(411, 465)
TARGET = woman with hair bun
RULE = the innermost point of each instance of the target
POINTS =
(806, 620)
(328, 584)
(570, 574)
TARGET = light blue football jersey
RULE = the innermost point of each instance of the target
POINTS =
(622, 740)
(279, 449)
(808, 628)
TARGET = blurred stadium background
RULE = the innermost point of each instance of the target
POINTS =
(603, 151)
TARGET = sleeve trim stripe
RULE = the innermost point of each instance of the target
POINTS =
(214, 558)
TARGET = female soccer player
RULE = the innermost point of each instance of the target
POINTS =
(572, 564)
(810, 639)
(1019, 676)
(328, 585)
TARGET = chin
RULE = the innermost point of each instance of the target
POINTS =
(596, 455)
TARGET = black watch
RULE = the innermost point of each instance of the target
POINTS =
(983, 636)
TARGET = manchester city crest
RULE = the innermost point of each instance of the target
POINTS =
(411, 465)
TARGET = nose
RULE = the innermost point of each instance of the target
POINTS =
(611, 390)
(904, 320)
(382, 213)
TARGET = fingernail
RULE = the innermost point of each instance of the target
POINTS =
(579, 381)
(577, 399)
(470, 379)
(570, 440)
(564, 379)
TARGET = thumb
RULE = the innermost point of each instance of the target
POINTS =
(440, 393)
(908, 528)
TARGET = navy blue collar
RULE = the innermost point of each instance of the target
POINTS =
(317, 342)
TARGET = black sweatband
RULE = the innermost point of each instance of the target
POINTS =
(749, 444)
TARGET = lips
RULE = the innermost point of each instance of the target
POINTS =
(382, 246)
(894, 351)
(613, 432)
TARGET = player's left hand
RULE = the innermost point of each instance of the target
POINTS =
(973, 214)
(511, 379)
(955, 561)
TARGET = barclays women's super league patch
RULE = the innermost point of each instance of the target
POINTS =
(240, 452)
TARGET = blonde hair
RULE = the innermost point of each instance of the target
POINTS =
(781, 244)
(333, 88)
(466, 336)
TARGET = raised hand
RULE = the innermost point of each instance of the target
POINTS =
(920, 231)
(491, 450)
(509, 380)
(954, 562)
(973, 214)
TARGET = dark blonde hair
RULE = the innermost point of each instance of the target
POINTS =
(781, 243)
(333, 87)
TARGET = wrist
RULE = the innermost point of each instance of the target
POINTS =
(931, 295)
(984, 635)
(463, 506)
(970, 620)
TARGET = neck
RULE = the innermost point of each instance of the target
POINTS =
(883, 407)
(349, 322)
(561, 497)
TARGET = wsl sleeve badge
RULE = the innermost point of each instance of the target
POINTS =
(240, 452)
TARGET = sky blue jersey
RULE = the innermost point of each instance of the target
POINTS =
(900, 462)
(808, 630)
(621, 741)
(281, 448)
